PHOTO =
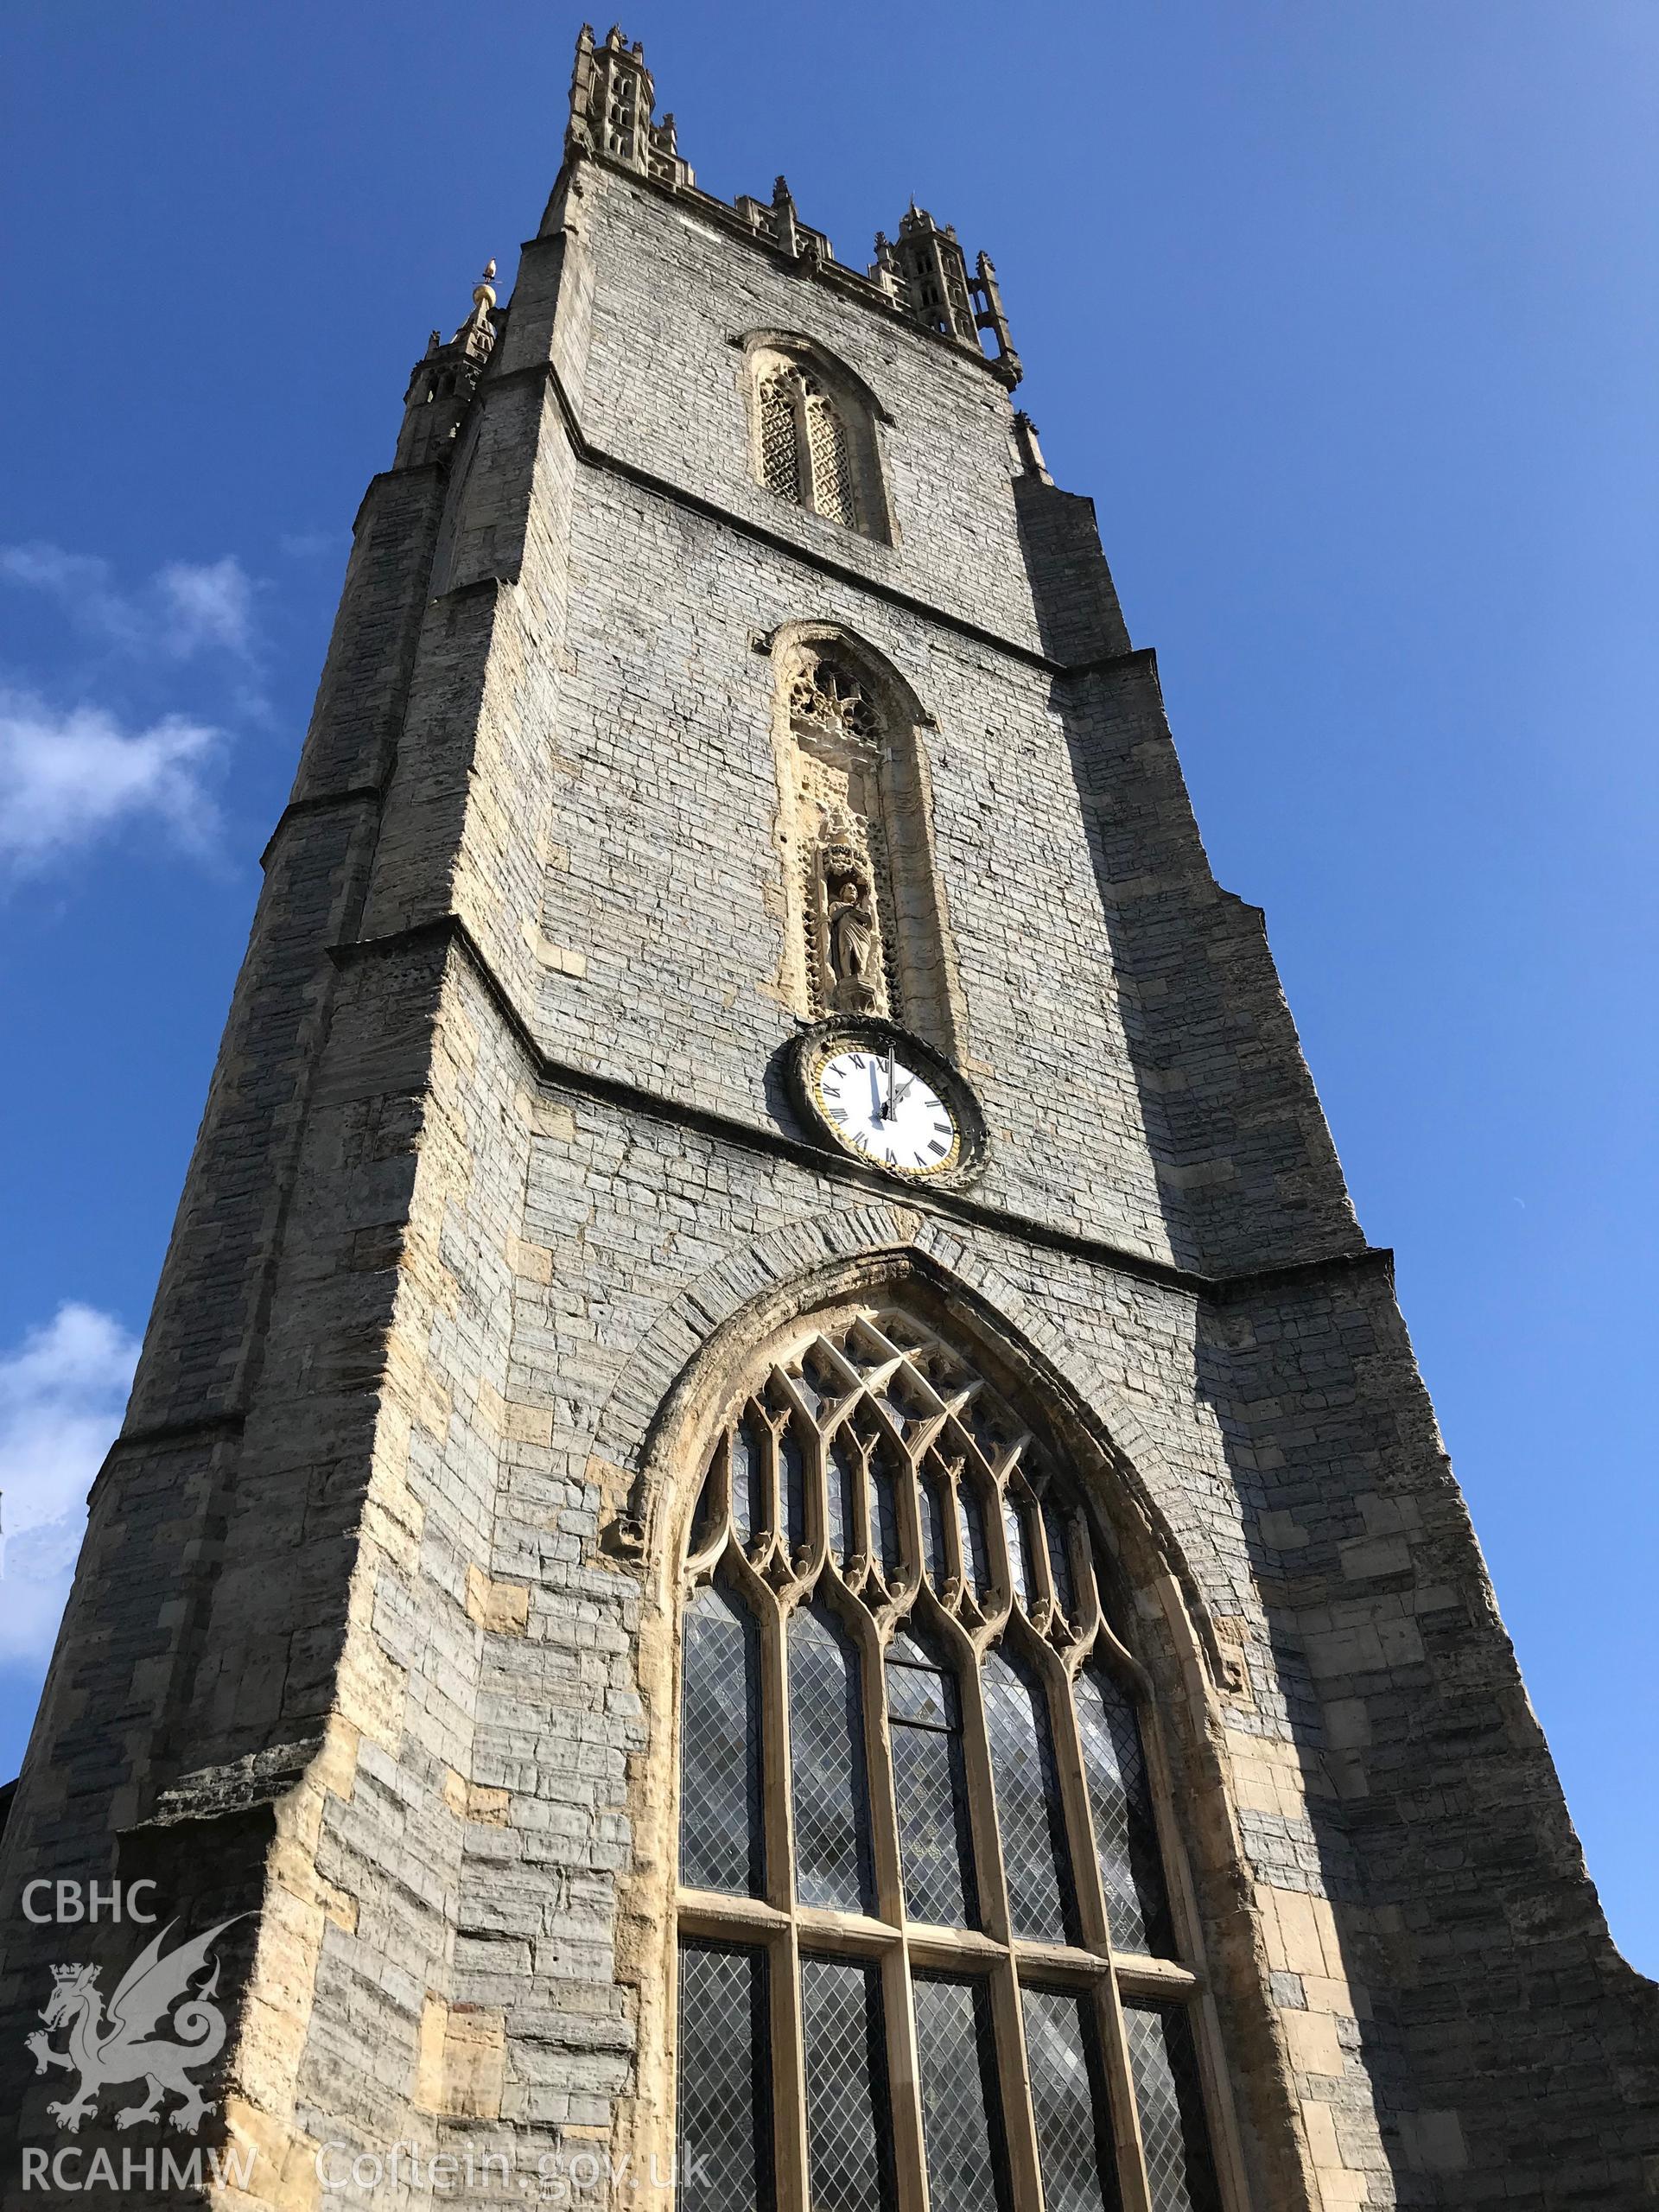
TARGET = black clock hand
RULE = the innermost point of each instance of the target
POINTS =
(886, 1111)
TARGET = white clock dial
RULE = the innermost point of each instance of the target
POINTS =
(886, 1112)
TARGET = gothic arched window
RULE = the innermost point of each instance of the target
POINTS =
(814, 445)
(928, 1951)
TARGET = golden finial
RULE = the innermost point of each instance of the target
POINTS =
(484, 293)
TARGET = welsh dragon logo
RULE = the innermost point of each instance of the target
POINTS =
(124, 2046)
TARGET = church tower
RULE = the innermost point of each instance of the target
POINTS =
(774, 1511)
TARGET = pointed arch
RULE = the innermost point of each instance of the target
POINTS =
(812, 432)
(656, 1418)
(670, 1408)
(959, 1852)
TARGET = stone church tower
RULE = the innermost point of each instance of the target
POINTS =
(774, 1502)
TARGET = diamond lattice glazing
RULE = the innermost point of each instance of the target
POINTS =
(975, 1544)
(1028, 1807)
(780, 461)
(966, 2169)
(845, 1473)
(791, 1474)
(720, 1754)
(832, 474)
(858, 1447)
(749, 1477)
(849, 2133)
(1069, 2102)
(930, 1785)
(1166, 2093)
(1126, 1833)
(1013, 1527)
(884, 1505)
(826, 1737)
(725, 2145)
(934, 1504)
(1059, 1561)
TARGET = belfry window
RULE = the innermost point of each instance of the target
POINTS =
(814, 446)
(928, 1951)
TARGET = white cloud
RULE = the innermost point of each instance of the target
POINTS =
(306, 545)
(70, 777)
(210, 605)
(185, 608)
(61, 1393)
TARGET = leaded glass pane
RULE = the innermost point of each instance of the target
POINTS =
(930, 1785)
(884, 1477)
(976, 1546)
(724, 2149)
(967, 2169)
(1060, 1557)
(702, 1520)
(721, 1837)
(1126, 1833)
(791, 1469)
(1180, 2174)
(845, 1471)
(935, 1498)
(848, 2135)
(1029, 1813)
(826, 1734)
(1013, 1527)
(1070, 2102)
(896, 1400)
(748, 1477)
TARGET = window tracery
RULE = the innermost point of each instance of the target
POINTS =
(815, 443)
(958, 1978)
(780, 449)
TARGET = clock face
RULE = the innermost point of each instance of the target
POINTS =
(884, 1111)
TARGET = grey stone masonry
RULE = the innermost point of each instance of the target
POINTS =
(498, 1184)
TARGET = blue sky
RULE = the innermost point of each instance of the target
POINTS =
(1346, 316)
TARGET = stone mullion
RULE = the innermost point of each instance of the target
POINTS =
(904, 2063)
(1108, 2013)
(904, 2081)
(1013, 2081)
(1083, 1853)
(788, 2048)
(788, 2072)
(1082, 1850)
(951, 1474)
(1126, 2111)
(806, 474)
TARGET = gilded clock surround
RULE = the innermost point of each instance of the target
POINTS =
(811, 1052)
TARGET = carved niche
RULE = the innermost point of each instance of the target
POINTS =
(865, 928)
(845, 929)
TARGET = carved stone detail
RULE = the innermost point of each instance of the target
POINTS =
(844, 913)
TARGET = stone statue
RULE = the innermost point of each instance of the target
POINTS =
(852, 944)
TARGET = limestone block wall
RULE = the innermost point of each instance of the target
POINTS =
(1355, 1919)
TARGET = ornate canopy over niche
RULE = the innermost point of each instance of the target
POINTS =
(864, 911)
(933, 1931)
